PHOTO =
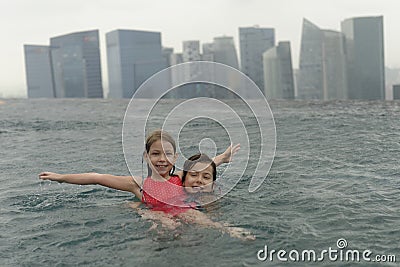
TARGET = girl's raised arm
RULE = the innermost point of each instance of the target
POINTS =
(227, 156)
(124, 183)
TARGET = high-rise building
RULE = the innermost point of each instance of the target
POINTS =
(254, 41)
(365, 57)
(392, 77)
(176, 77)
(191, 51)
(75, 60)
(278, 72)
(310, 76)
(296, 79)
(39, 74)
(208, 52)
(132, 57)
(167, 53)
(322, 70)
(176, 58)
(396, 91)
(334, 66)
(225, 52)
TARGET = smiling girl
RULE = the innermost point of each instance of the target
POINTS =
(198, 180)
(157, 189)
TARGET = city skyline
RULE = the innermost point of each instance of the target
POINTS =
(30, 23)
(75, 61)
(322, 71)
(326, 70)
(132, 57)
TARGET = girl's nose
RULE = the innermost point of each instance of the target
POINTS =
(200, 180)
(163, 157)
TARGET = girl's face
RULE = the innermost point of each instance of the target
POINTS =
(199, 178)
(161, 157)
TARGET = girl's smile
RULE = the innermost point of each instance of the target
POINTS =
(199, 178)
(162, 157)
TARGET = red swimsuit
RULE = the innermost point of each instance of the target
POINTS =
(167, 196)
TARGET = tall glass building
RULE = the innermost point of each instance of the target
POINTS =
(132, 57)
(225, 52)
(75, 60)
(167, 53)
(365, 57)
(39, 74)
(254, 41)
(310, 81)
(396, 91)
(221, 50)
(191, 51)
(334, 66)
(322, 70)
(278, 72)
(208, 52)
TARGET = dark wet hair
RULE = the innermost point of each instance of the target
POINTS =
(203, 158)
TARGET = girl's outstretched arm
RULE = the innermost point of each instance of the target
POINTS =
(124, 183)
(227, 156)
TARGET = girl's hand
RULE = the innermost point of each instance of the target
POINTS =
(51, 176)
(229, 153)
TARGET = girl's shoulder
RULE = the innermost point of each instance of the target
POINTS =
(175, 179)
(137, 180)
(178, 174)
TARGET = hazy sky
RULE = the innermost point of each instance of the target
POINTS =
(35, 21)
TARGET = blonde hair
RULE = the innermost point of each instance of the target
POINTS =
(159, 135)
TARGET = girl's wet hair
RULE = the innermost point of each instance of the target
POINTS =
(159, 135)
(203, 158)
(154, 137)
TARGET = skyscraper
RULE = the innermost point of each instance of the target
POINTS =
(176, 58)
(365, 57)
(322, 70)
(225, 52)
(278, 72)
(392, 77)
(39, 74)
(310, 81)
(132, 57)
(396, 91)
(208, 52)
(254, 41)
(176, 77)
(191, 51)
(221, 50)
(167, 53)
(334, 66)
(75, 60)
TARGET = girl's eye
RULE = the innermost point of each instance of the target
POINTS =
(193, 174)
(207, 177)
(170, 154)
(155, 153)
